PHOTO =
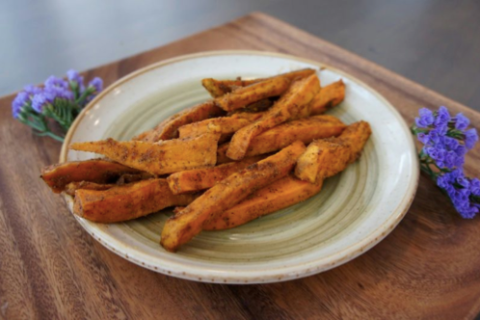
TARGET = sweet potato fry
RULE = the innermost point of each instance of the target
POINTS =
(297, 97)
(130, 201)
(158, 158)
(168, 129)
(223, 125)
(276, 196)
(218, 88)
(356, 135)
(133, 177)
(246, 95)
(204, 178)
(325, 158)
(322, 159)
(257, 106)
(73, 186)
(214, 87)
(96, 170)
(328, 97)
(305, 130)
(227, 193)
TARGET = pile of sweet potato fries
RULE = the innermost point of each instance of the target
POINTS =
(257, 147)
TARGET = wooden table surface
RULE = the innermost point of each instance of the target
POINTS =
(428, 267)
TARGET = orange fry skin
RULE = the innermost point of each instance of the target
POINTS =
(204, 178)
(328, 97)
(280, 194)
(223, 125)
(158, 158)
(168, 129)
(218, 88)
(127, 202)
(322, 159)
(185, 225)
(326, 158)
(291, 104)
(305, 130)
(74, 186)
(95, 170)
(244, 96)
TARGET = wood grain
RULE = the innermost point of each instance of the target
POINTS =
(428, 267)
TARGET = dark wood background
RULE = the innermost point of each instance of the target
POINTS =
(432, 42)
(50, 268)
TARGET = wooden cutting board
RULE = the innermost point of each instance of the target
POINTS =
(428, 267)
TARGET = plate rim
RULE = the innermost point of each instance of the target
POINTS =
(250, 276)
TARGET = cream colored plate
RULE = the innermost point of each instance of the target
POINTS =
(354, 211)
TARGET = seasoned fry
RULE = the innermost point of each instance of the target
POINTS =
(133, 177)
(218, 88)
(296, 98)
(214, 87)
(223, 125)
(227, 193)
(95, 170)
(325, 158)
(322, 159)
(328, 97)
(158, 158)
(276, 196)
(73, 186)
(305, 130)
(130, 201)
(255, 92)
(204, 178)
(257, 106)
(356, 135)
(168, 129)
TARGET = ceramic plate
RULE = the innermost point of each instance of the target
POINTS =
(353, 212)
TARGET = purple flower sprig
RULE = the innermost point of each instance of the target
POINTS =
(446, 140)
(58, 100)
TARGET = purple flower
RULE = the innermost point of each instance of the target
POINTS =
(53, 81)
(451, 160)
(97, 84)
(19, 102)
(423, 137)
(53, 93)
(426, 118)
(461, 122)
(475, 187)
(460, 151)
(435, 136)
(48, 96)
(442, 118)
(435, 153)
(464, 182)
(471, 137)
(39, 101)
(459, 189)
(59, 100)
(32, 90)
(461, 201)
(75, 77)
(450, 143)
(444, 181)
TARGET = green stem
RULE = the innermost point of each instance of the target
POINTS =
(49, 134)
(475, 199)
(88, 91)
(426, 169)
(441, 169)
